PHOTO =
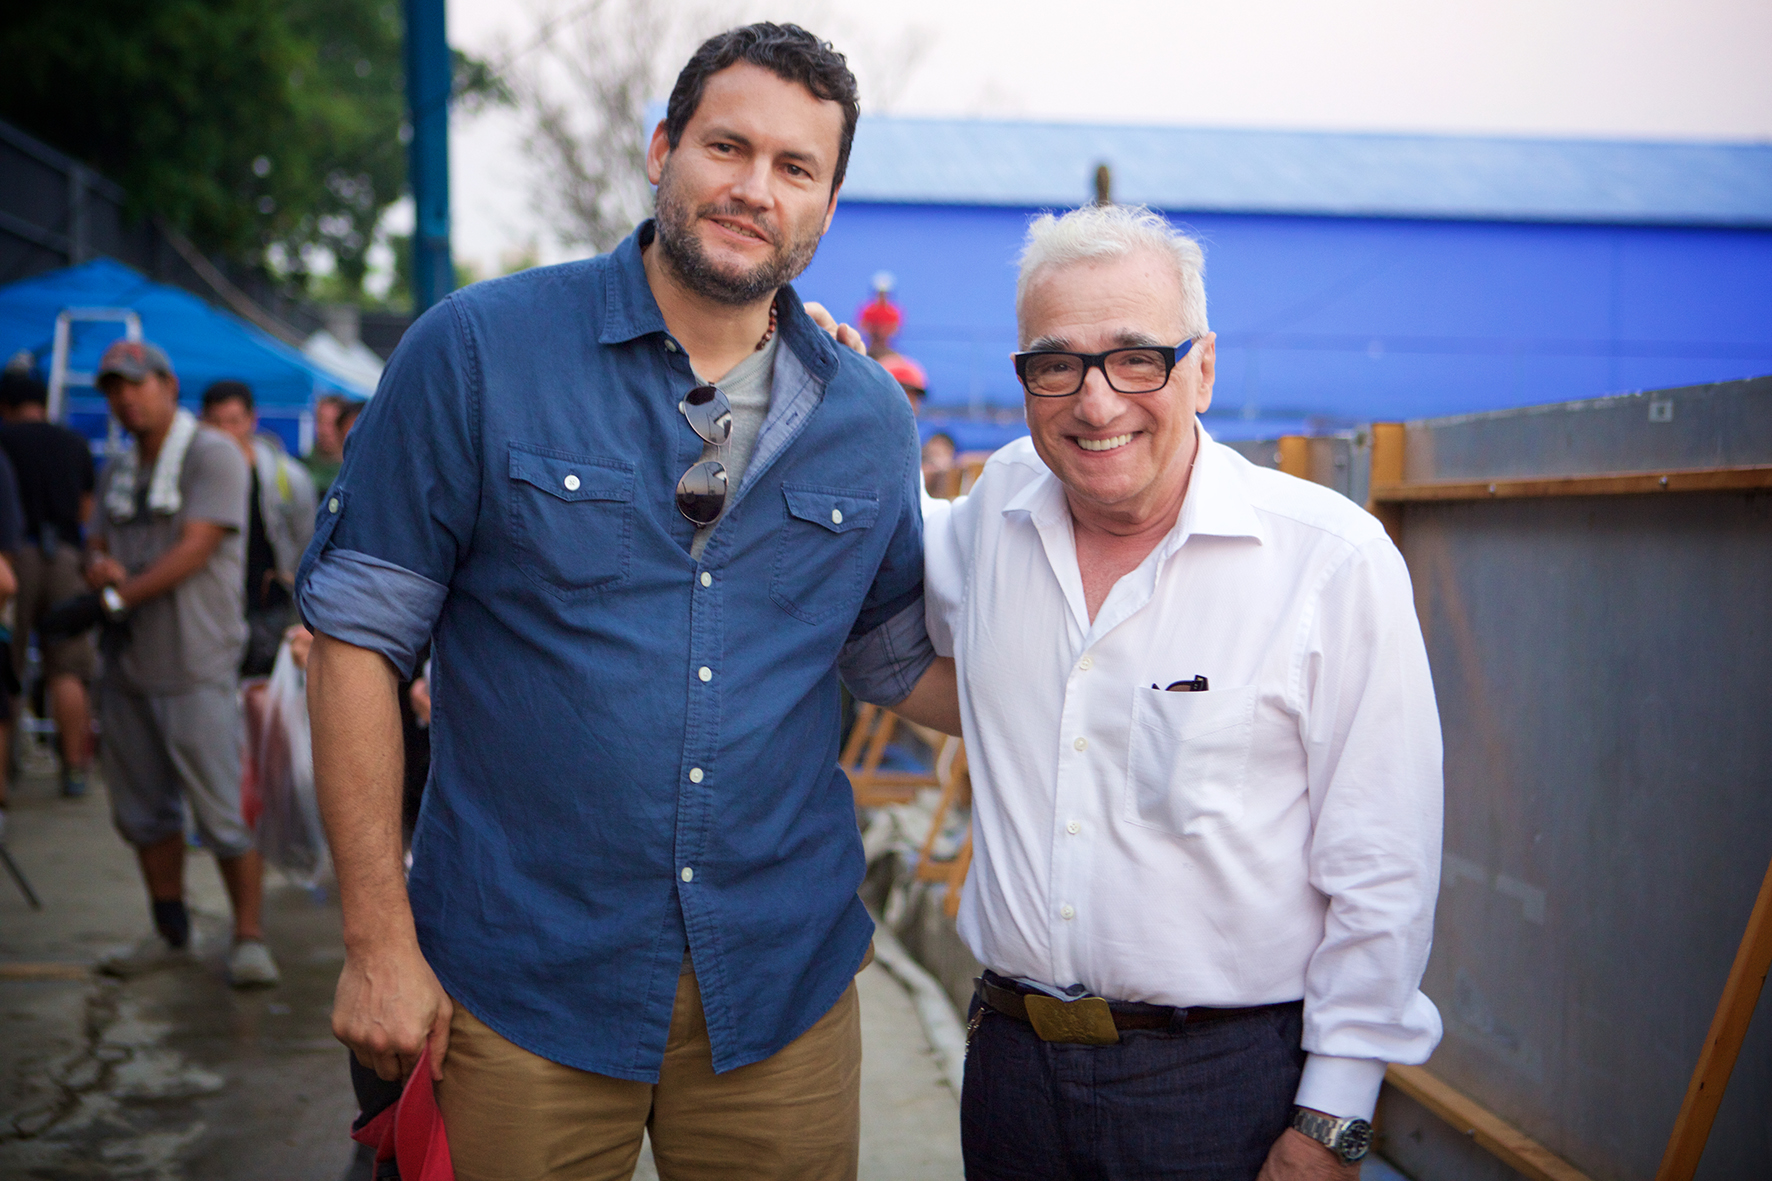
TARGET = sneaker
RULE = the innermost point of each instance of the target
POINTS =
(73, 784)
(150, 955)
(250, 965)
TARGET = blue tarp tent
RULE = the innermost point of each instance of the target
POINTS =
(205, 344)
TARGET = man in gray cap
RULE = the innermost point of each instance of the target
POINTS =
(167, 563)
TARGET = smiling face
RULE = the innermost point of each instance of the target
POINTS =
(1123, 458)
(746, 194)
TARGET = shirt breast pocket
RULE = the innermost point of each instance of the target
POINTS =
(572, 519)
(1187, 759)
(818, 564)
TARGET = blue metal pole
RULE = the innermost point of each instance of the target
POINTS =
(429, 77)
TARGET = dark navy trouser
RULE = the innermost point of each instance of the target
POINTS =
(1201, 1103)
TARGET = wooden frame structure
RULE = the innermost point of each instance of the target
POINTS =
(1390, 492)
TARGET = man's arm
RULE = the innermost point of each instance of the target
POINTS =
(197, 542)
(388, 1002)
(935, 702)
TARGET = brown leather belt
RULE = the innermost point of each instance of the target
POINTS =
(1094, 1021)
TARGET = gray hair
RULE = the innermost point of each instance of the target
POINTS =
(1099, 232)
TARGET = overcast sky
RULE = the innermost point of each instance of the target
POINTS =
(1654, 69)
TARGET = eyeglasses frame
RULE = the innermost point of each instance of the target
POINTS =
(1171, 355)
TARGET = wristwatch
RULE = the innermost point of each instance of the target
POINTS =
(1350, 1139)
(115, 607)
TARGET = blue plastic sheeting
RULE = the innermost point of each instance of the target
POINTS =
(1327, 321)
(995, 162)
(205, 344)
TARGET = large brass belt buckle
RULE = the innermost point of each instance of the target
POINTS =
(1086, 1021)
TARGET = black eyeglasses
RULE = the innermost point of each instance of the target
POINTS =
(701, 492)
(1053, 373)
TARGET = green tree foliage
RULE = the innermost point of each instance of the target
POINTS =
(266, 130)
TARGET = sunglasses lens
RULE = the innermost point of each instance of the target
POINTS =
(701, 493)
(709, 413)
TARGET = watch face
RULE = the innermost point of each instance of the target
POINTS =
(1355, 1140)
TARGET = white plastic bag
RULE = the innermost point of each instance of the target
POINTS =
(289, 832)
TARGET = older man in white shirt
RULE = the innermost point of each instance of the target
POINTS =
(1205, 759)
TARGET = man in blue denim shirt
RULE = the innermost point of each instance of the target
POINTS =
(632, 900)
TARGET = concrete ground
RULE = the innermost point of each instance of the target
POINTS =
(173, 1076)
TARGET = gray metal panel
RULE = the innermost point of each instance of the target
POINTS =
(1342, 462)
(1717, 425)
(1603, 667)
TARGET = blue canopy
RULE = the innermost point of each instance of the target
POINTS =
(205, 344)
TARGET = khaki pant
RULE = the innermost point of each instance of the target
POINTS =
(513, 1116)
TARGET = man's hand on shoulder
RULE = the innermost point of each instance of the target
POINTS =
(387, 1005)
(841, 333)
(1296, 1157)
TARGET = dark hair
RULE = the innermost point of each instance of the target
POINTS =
(227, 391)
(787, 51)
(17, 388)
(347, 413)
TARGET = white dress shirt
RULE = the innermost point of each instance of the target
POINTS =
(1274, 837)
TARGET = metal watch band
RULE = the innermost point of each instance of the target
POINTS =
(1349, 1139)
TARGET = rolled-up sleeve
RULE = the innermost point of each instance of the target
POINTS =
(373, 604)
(401, 515)
(884, 665)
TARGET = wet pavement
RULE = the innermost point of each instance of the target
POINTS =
(174, 1076)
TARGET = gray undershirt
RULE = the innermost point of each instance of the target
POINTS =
(746, 386)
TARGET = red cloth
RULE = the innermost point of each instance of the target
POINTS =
(410, 1133)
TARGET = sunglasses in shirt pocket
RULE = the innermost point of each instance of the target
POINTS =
(818, 550)
(572, 519)
(1187, 757)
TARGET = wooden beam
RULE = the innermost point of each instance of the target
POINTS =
(1507, 1143)
(1715, 479)
(1728, 1028)
(1295, 456)
(1387, 470)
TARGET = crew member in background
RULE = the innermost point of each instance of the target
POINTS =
(279, 522)
(55, 481)
(168, 558)
(329, 442)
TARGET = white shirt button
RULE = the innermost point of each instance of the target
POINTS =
(571, 482)
(1073, 828)
(836, 516)
(705, 673)
(1064, 912)
(332, 505)
(671, 347)
(695, 775)
(1087, 663)
(689, 876)
(1080, 744)
(707, 579)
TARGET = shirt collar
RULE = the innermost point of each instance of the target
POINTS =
(630, 311)
(1217, 501)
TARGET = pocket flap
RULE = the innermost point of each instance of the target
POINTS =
(836, 509)
(572, 477)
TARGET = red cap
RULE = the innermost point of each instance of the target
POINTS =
(879, 316)
(908, 372)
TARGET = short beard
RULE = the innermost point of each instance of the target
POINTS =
(689, 263)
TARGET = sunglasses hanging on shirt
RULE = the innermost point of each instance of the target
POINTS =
(701, 491)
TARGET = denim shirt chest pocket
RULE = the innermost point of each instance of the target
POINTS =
(572, 519)
(1187, 757)
(818, 552)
